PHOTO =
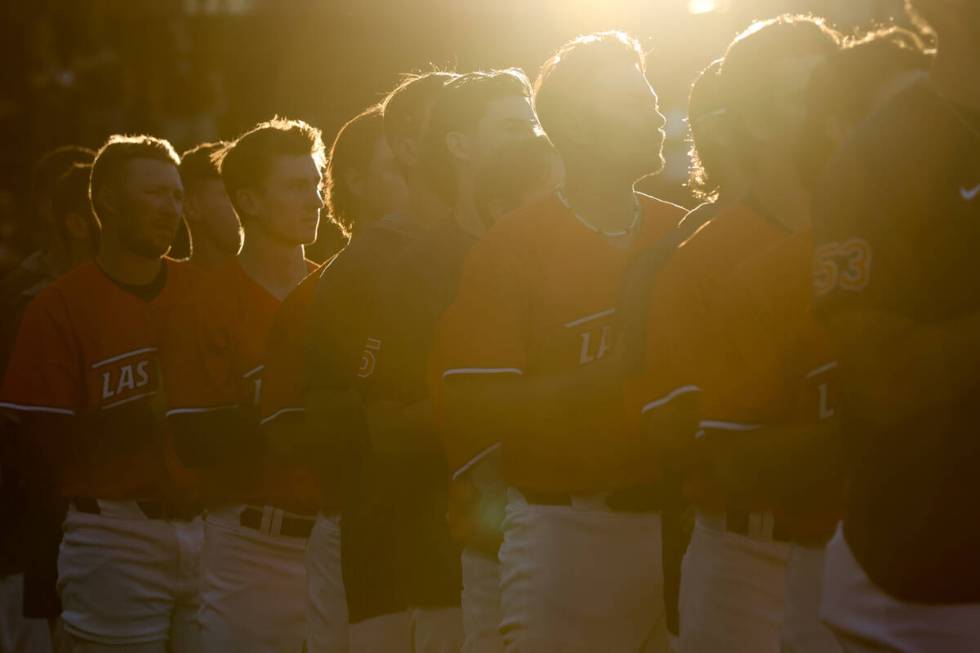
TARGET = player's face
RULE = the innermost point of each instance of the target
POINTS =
(210, 211)
(149, 200)
(505, 122)
(624, 125)
(383, 191)
(289, 203)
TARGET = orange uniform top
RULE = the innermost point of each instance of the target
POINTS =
(730, 319)
(215, 360)
(282, 394)
(537, 297)
(88, 350)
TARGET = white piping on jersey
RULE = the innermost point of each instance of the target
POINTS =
(728, 426)
(670, 396)
(37, 409)
(129, 399)
(589, 318)
(281, 411)
(474, 460)
(820, 370)
(144, 350)
(196, 411)
(254, 370)
(481, 370)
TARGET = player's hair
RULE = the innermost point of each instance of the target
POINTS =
(459, 108)
(352, 150)
(70, 196)
(706, 114)
(51, 166)
(113, 157)
(244, 163)
(565, 79)
(197, 164)
(845, 86)
(406, 107)
(747, 67)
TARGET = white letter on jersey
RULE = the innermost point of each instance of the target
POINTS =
(142, 375)
(826, 412)
(585, 354)
(106, 390)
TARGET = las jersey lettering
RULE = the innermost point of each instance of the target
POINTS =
(126, 377)
(594, 336)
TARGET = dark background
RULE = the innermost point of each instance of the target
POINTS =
(75, 71)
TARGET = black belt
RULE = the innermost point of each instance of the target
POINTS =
(150, 509)
(290, 527)
(644, 498)
(737, 521)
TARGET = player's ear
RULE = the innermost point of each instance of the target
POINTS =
(76, 226)
(406, 151)
(248, 201)
(107, 198)
(191, 208)
(459, 145)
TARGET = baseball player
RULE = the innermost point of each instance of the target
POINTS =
(361, 186)
(474, 116)
(215, 232)
(526, 349)
(895, 233)
(518, 173)
(731, 358)
(256, 527)
(84, 383)
(338, 359)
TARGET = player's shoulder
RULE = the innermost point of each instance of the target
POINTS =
(660, 210)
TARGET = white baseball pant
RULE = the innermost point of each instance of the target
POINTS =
(580, 578)
(867, 620)
(732, 591)
(128, 581)
(326, 601)
(481, 603)
(253, 585)
(17, 633)
(418, 630)
(802, 630)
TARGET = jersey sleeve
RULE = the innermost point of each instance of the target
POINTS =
(486, 330)
(44, 375)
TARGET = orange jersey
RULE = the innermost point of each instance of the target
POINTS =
(730, 319)
(282, 393)
(537, 297)
(215, 359)
(89, 349)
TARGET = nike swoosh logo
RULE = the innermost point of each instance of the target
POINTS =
(969, 194)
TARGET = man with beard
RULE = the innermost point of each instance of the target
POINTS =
(526, 354)
(735, 367)
(84, 384)
(896, 224)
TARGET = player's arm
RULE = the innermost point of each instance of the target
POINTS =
(893, 368)
(335, 415)
(398, 428)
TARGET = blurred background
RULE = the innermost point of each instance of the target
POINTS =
(76, 71)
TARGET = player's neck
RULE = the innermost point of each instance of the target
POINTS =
(275, 265)
(781, 195)
(465, 212)
(606, 202)
(954, 72)
(206, 255)
(425, 208)
(123, 265)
